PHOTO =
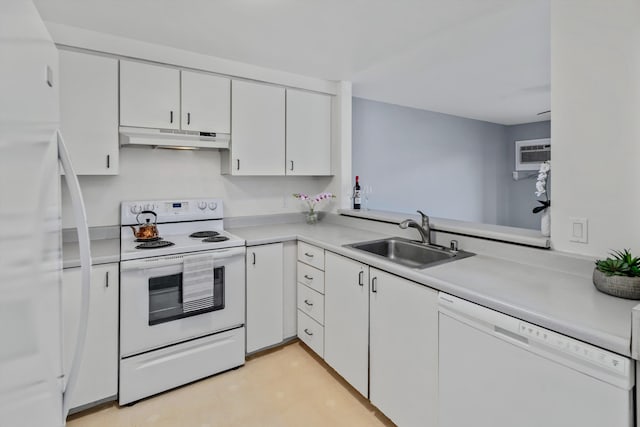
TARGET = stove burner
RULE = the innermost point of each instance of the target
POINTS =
(155, 244)
(215, 239)
(151, 239)
(201, 234)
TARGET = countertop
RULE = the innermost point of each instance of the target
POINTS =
(567, 303)
(103, 251)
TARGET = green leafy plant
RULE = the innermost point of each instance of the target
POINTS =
(621, 263)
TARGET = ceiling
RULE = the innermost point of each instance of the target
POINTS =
(482, 59)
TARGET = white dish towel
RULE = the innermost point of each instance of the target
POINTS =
(197, 282)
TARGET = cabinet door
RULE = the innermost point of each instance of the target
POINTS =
(404, 350)
(264, 296)
(257, 129)
(206, 102)
(346, 319)
(89, 111)
(308, 133)
(149, 96)
(290, 289)
(98, 375)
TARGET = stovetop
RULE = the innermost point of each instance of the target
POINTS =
(178, 234)
(176, 222)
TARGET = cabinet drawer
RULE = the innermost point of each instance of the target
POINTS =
(311, 333)
(311, 255)
(312, 277)
(311, 302)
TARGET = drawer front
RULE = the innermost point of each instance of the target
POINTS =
(311, 302)
(312, 277)
(311, 255)
(311, 333)
(156, 371)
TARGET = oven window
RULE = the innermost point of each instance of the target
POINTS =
(165, 297)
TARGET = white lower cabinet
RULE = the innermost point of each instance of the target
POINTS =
(98, 375)
(346, 319)
(290, 313)
(403, 350)
(264, 296)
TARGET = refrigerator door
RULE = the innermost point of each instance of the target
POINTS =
(30, 250)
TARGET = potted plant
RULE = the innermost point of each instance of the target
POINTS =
(618, 275)
(312, 202)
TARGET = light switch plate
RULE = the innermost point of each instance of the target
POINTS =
(578, 230)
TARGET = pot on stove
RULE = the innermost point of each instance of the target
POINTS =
(146, 230)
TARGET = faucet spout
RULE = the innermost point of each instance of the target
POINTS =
(424, 229)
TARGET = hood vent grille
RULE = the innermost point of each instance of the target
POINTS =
(170, 138)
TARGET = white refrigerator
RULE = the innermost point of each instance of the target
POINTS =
(33, 389)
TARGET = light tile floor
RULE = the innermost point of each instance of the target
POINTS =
(288, 386)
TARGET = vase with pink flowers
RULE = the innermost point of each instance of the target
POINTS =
(312, 203)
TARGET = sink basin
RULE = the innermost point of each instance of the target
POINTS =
(409, 252)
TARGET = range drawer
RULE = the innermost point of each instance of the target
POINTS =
(311, 302)
(311, 333)
(312, 277)
(311, 255)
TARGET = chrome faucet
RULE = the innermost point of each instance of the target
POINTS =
(424, 229)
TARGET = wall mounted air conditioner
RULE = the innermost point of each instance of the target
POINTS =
(531, 153)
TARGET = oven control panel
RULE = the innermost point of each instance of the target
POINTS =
(172, 210)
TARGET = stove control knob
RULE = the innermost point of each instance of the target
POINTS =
(149, 207)
(202, 205)
(213, 206)
(135, 209)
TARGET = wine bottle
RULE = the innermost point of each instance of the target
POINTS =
(356, 194)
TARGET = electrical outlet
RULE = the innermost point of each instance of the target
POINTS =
(578, 230)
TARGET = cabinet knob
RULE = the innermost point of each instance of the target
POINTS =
(108, 161)
(310, 304)
(238, 164)
(170, 116)
(306, 331)
(374, 284)
(308, 254)
(306, 276)
(106, 279)
(360, 278)
(188, 118)
(254, 258)
(291, 164)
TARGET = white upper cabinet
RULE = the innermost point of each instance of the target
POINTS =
(149, 96)
(257, 130)
(89, 111)
(308, 133)
(206, 102)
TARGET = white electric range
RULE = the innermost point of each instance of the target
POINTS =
(182, 296)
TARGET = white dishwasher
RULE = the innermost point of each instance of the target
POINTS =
(499, 371)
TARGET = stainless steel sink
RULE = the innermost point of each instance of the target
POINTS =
(409, 252)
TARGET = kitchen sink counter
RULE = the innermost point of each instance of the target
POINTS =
(565, 302)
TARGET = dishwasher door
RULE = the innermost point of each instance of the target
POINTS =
(498, 371)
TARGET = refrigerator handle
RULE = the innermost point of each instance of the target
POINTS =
(80, 217)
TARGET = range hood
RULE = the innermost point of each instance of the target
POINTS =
(171, 138)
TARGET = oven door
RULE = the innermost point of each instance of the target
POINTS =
(151, 313)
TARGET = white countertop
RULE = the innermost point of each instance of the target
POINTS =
(563, 302)
(103, 251)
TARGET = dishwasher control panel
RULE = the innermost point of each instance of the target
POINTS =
(606, 359)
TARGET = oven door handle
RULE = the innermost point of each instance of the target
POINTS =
(171, 260)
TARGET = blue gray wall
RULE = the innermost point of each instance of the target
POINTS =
(447, 166)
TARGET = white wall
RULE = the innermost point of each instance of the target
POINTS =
(595, 125)
(165, 174)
